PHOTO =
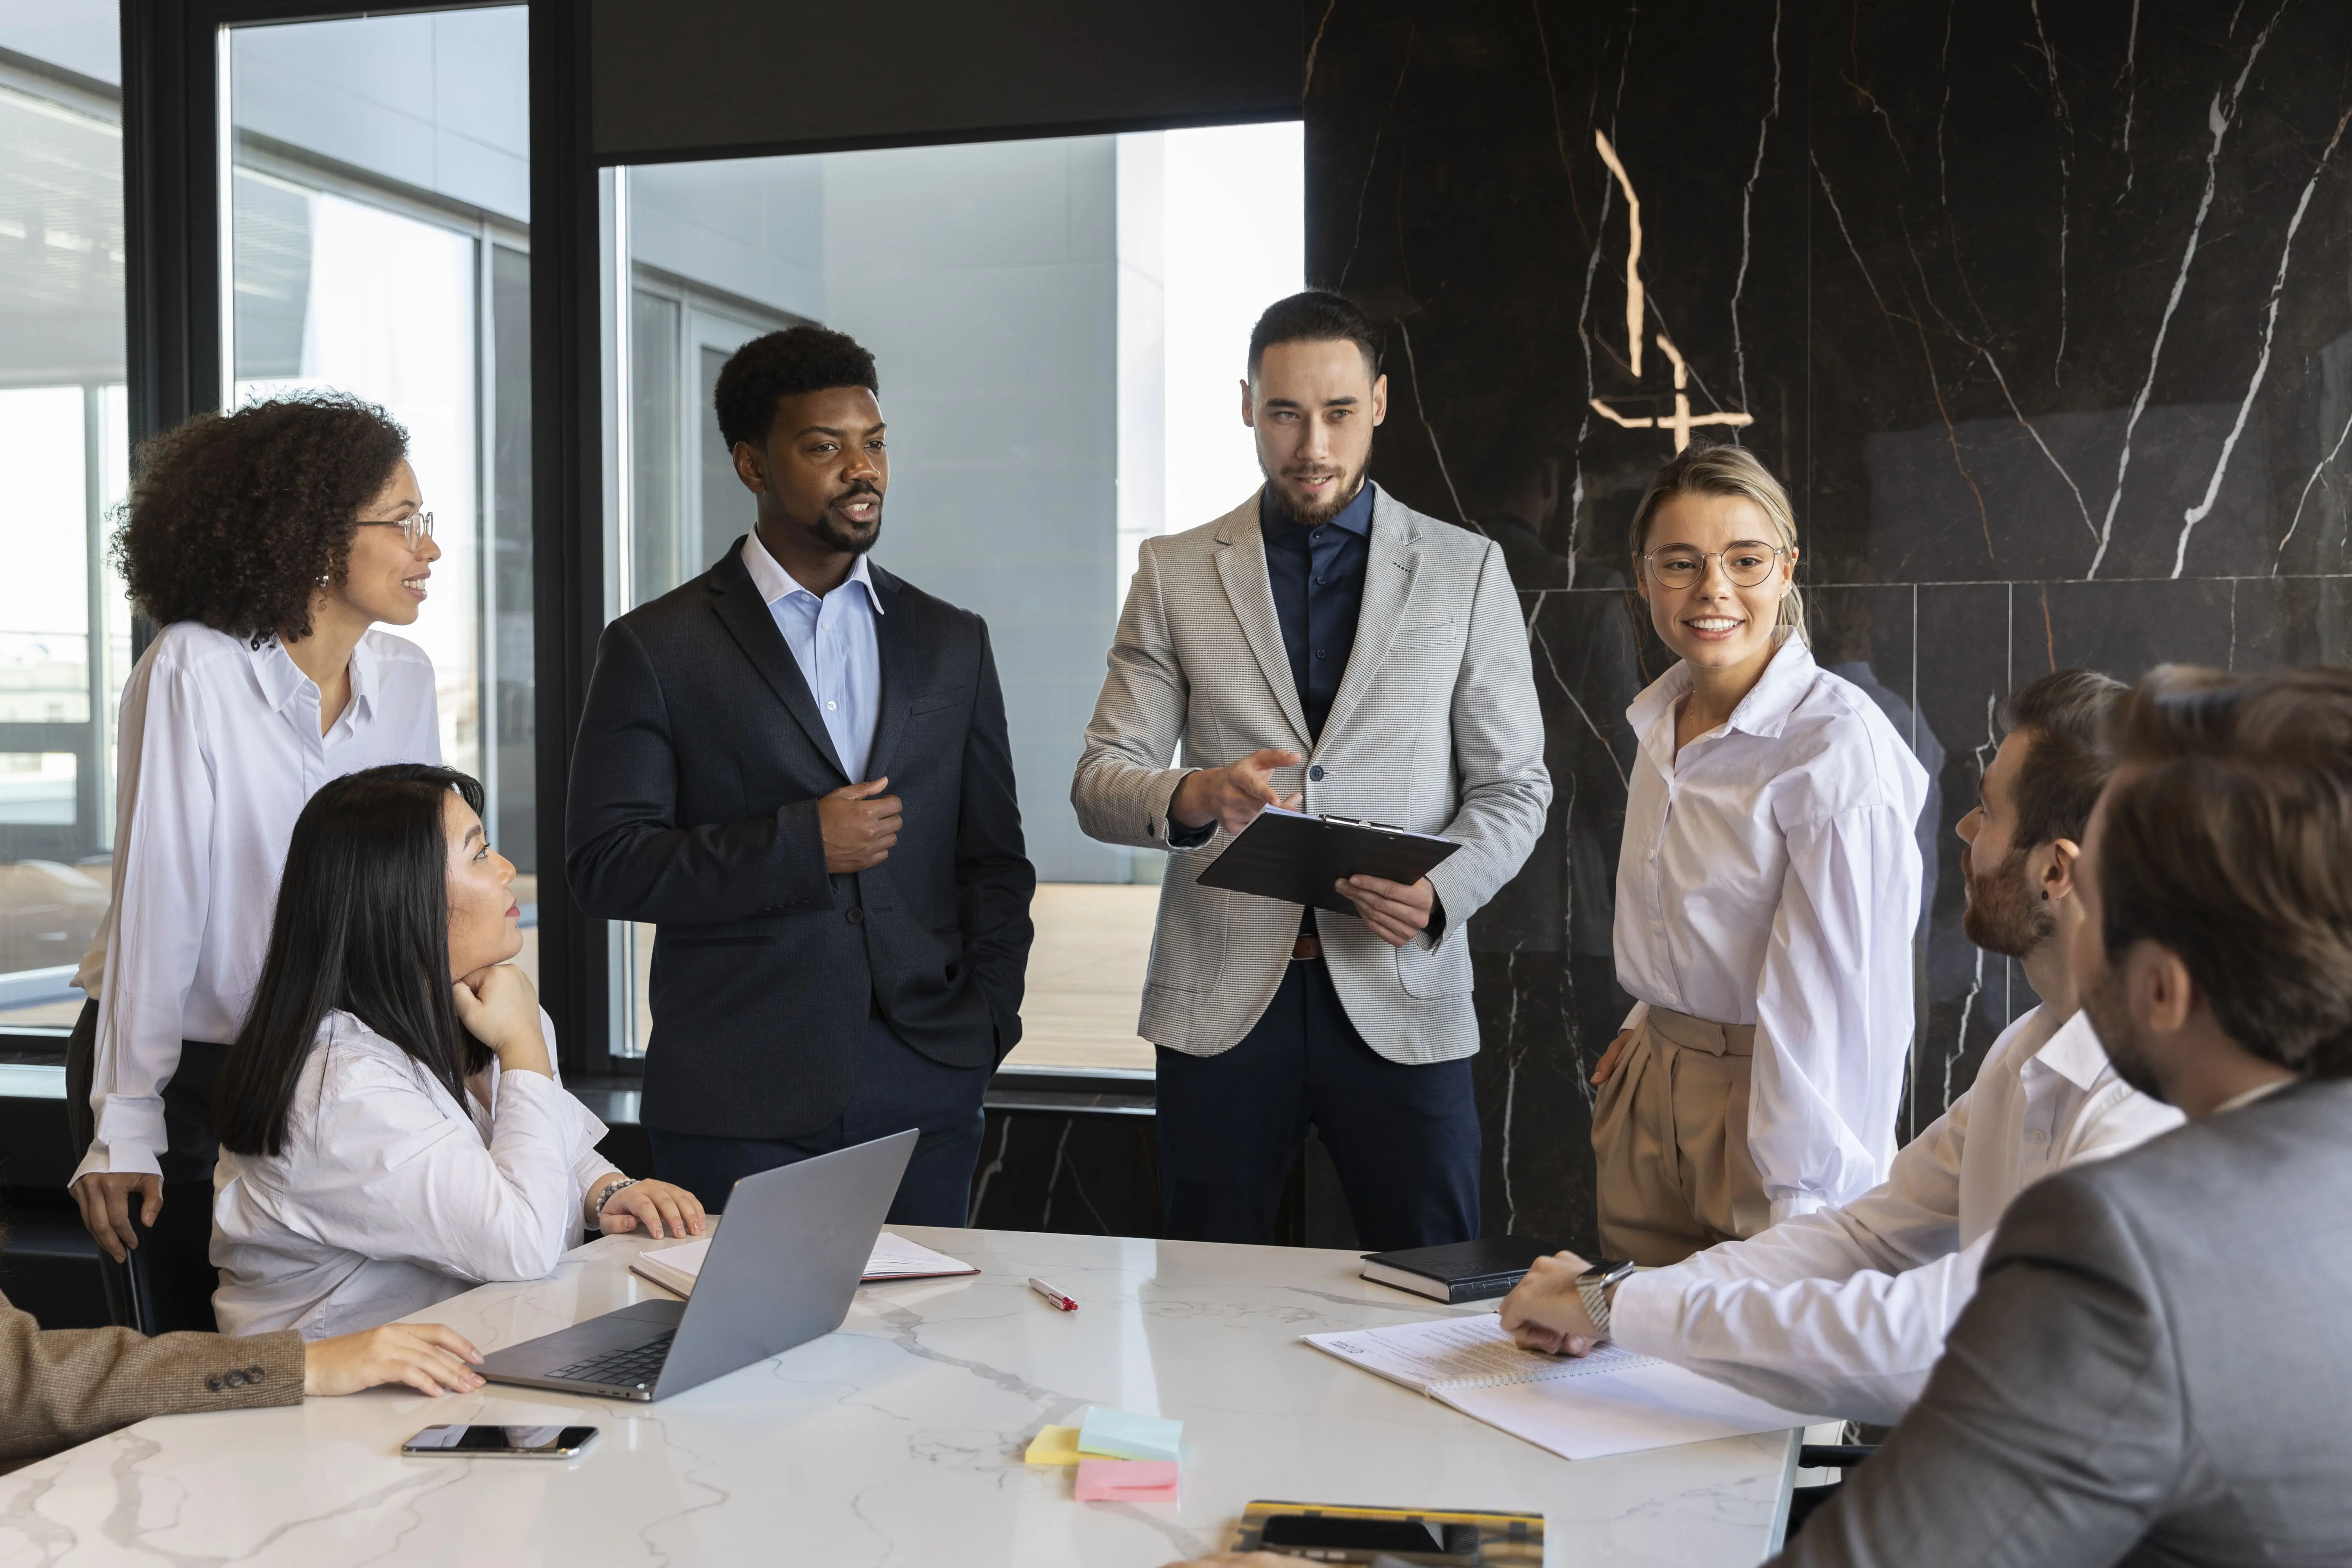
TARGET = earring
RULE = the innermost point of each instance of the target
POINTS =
(325, 579)
(2045, 897)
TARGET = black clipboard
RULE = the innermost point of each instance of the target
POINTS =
(1297, 857)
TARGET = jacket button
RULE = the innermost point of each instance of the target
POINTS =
(856, 916)
(214, 1382)
(1315, 772)
(253, 1374)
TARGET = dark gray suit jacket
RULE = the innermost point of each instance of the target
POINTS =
(2157, 1367)
(694, 789)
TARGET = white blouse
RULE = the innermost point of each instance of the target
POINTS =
(219, 752)
(1770, 876)
(390, 1195)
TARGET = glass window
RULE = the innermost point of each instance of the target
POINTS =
(1059, 326)
(64, 628)
(379, 246)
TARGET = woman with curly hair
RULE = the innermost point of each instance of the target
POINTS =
(266, 543)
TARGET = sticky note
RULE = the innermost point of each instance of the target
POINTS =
(1053, 1445)
(1127, 1480)
(1123, 1434)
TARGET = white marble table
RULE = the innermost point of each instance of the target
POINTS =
(897, 1440)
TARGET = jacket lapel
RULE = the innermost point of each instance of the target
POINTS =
(737, 601)
(1241, 565)
(1388, 563)
(895, 642)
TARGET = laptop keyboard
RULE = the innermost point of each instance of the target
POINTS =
(632, 1366)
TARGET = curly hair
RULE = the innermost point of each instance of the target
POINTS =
(235, 519)
(805, 358)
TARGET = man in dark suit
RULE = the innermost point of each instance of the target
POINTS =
(795, 767)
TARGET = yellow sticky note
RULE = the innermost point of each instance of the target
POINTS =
(1054, 1446)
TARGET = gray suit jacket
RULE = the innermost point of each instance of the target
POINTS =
(1435, 728)
(2157, 1367)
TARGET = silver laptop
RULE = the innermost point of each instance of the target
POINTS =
(780, 1271)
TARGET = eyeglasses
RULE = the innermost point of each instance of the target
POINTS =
(1680, 566)
(415, 528)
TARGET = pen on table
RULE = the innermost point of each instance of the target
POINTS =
(1062, 1303)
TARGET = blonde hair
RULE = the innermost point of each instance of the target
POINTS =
(1722, 470)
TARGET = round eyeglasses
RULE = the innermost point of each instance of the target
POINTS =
(1747, 563)
(415, 528)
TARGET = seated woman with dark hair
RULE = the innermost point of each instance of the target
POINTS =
(392, 1128)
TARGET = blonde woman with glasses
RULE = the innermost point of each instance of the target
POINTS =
(268, 544)
(1767, 892)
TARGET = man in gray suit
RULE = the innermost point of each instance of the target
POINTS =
(2158, 1364)
(1321, 645)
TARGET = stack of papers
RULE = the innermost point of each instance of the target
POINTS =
(1121, 1456)
(1611, 1402)
(894, 1258)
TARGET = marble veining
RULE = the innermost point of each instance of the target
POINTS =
(2054, 376)
(897, 1440)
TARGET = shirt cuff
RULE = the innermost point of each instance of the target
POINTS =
(1795, 1203)
(1644, 1312)
(1178, 835)
(123, 1156)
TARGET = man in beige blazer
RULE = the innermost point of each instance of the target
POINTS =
(1324, 647)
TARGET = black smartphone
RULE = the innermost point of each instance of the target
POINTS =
(517, 1442)
(1342, 1538)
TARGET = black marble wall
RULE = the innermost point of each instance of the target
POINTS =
(2041, 309)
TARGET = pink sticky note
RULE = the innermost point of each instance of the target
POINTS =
(1127, 1480)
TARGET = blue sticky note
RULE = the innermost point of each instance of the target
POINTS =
(1123, 1434)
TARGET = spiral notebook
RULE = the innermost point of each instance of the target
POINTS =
(1611, 1402)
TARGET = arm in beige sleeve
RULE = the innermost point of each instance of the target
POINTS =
(63, 1386)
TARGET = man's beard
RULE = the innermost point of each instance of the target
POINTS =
(1310, 515)
(2003, 915)
(837, 534)
(2112, 1018)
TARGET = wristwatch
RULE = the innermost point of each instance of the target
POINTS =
(1593, 1287)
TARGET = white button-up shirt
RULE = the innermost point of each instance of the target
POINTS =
(833, 641)
(1842, 1313)
(218, 750)
(1770, 876)
(389, 1196)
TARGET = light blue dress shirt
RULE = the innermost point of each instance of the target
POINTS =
(833, 640)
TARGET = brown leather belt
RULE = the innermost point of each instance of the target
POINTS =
(1306, 948)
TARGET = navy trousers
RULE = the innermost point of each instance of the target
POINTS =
(898, 1087)
(1404, 1139)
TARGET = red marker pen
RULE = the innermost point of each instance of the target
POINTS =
(1061, 1303)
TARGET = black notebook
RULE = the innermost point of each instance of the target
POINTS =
(1299, 857)
(1462, 1272)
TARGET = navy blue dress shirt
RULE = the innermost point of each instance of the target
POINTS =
(1318, 577)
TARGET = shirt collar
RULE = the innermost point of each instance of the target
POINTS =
(363, 680)
(2260, 1091)
(2073, 1052)
(1764, 711)
(282, 679)
(1356, 516)
(275, 671)
(774, 582)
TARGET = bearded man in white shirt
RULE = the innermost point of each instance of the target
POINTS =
(1842, 1311)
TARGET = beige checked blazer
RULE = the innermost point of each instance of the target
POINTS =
(1435, 728)
(63, 1386)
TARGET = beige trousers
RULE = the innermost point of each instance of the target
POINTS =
(1670, 1137)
